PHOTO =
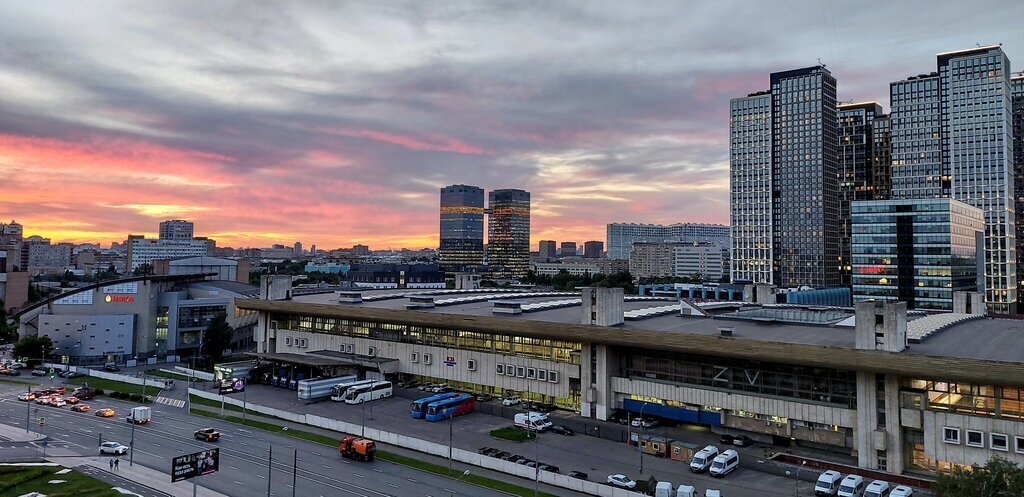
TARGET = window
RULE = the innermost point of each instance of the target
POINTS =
(414, 357)
(975, 438)
(499, 369)
(520, 371)
(287, 340)
(349, 348)
(371, 351)
(426, 358)
(471, 364)
(531, 373)
(510, 370)
(542, 374)
(553, 376)
(998, 441)
(1018, 445)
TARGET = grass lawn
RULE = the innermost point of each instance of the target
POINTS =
(20, 480)
(167, 374)
(429, 467)
(114, 386)
(197, 400)
(512, 433)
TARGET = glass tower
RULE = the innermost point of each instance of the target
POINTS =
(462, 227)
(952, 136)
(784, 186)
(508, 232)
(860, 178)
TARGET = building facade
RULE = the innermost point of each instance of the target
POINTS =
(593, 249)
(396, 276)
(508, 232)
(702, 260)
(620, 236)
(177, 229)
(860, 178)
(1017, 89)
(750, 188)
(653, 259)
(567, 249)
(49, 258)
(952, 136)
(547, 250)
(142, 251)
(917, 251)
(462, 227)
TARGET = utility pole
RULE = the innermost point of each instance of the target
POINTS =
(270, 468)
(295, 469)
(28, 411)
(640, 438)
(131, 446)
(536, 455)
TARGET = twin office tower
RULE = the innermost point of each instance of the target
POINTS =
(462, 230)
(826, 194)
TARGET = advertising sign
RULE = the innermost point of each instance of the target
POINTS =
(193, 465)
(232, 385)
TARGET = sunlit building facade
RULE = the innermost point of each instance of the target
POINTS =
(462, 227)
(508, 232)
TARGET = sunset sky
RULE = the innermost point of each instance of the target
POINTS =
(334, 123)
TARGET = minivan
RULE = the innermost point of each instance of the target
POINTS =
(686, 491)
(828, 483)
(663, 489)
(725, 463)
(877, 488)
(702, 460)
(902, 491)
(852, 486)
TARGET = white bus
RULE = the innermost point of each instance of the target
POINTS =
(366, 393)
(338, 391)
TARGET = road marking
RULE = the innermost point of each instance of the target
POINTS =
(317, 454)
(377, 470)
(261, 476)
(449, 491)
(239, 483)
(412, 480)
(232, 467)
(392, 485)
(357, 475)
(150, 454)
(326, 466)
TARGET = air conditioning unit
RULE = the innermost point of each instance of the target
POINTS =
(471, 364)
(426, 358)
(371, 351)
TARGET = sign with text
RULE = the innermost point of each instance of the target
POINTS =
(231, 385)
(193, 465)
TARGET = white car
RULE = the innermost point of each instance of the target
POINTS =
(113, 448)
(621, 481)
(511, 401)
(902, 491)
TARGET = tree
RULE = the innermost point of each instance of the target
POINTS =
(216, 339)
(8, 332)
(143, 270)
(997, 478)
(34, 348)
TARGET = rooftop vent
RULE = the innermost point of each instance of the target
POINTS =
(420, 302)
(350, 297)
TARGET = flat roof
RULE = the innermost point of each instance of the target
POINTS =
(955, 353)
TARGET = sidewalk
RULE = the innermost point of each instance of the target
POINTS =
(16, 434)
(140, 474)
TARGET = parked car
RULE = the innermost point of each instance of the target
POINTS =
(72, 400)
(621, 481)
(486, 451)
(727, 439)
(113, 448)
(526, 462)
(549, 468)
(106, 412)
(38, 372)
(502, 455)
(13, 372)
(423, 387)
(649, 422)
(512, 458)
(562, 430)
(511, 401)
(207, 434)
(579, 475)
(439, 388)
(80, 408)
(74, 374)
(484, 397)
(26, 397)
(43, 399)
(112, 367)
(742, 441)
(619, 417)
(902, 491)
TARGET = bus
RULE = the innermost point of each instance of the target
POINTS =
(419, 406)
(338, 391)
(365, 393)
(464, 403)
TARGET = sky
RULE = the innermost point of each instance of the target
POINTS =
(334, 123)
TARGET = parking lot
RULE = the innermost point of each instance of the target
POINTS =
(598, 457)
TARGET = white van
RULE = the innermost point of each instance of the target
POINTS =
(702, 460)
(663, 489)
(828, 483)
(532, 421)
(686, 491)
(852, 486)
(902, 491)
(877, 488)
(725, 463)
(712, 493)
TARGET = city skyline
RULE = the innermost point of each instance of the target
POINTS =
(621, 124)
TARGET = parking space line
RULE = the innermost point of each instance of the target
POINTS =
(357, 475)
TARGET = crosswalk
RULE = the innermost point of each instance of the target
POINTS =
(171, 402)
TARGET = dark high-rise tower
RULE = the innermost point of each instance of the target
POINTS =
(1017, 90)
(462, 227)
(547, 249)
(784, 188)
(508, 232)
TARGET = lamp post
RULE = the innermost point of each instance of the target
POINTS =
(536, 460)
(451, 423)
(639, 438)
(802, 464)
(464, 474)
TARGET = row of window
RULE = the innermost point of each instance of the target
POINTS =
(525, 372)
(976, 438)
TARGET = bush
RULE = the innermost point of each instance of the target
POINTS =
(99, 391)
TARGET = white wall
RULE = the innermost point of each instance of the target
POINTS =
(936, 448)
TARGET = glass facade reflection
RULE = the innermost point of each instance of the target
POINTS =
(508, 232)
(462, 227)
(859, 176)
(916, 251)
(1017, 91)
(750, 199)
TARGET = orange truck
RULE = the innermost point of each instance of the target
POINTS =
(360, 449)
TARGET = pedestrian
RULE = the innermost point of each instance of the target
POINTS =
(116, 463)
(111, 461)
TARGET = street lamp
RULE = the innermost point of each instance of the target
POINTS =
(464, 474)
(640, 437)
(802, 464)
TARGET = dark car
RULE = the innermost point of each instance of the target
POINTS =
(619, 417)
(208, 434)
(501, 455)
(742, 441)
(513, 458)
(727, 439)
(562, 430)
(38, 372)
(579, 475)
(484, 397)
(549, 468)
(533, 464)
(487, 451)
(14, 372)
(111, 367)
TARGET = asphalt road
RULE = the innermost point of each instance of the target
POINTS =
(244, 453)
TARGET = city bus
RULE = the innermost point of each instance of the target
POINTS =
(464, 403)
(419, 406)
(338, 391)
(365, 393)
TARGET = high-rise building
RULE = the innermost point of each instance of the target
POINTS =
(860, 178)
(548, 249)
(952, 136)
(508, 231)
(142, 251)
(917, 251)
(593, 249)
(783, 181)
(1017, 89)
(297, 249)
(621, 236)
(653, 259)
(697, 259)
(567, 249)
(177, 229)
(462, 227)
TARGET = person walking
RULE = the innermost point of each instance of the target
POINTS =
(111, 461)
(117, 463)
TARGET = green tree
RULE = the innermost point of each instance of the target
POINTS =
(8, 332)
(34, 348)
(216, 339)
(143, 270)
(997, 478)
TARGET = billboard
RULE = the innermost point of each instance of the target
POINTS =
(193, 465)
(232, 385)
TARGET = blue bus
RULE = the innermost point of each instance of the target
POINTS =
(419, 406)
(464, 403)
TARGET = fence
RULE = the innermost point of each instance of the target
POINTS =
(431, 448)
(202, 375)
(150, 382)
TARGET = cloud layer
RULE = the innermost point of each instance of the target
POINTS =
(337, 122)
